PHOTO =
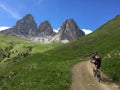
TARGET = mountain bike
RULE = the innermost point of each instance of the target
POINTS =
(97, 74)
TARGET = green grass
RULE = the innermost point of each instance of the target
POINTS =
(111, 64)
(13, 48)
(48, 65)
(105, 39)
(38, 73)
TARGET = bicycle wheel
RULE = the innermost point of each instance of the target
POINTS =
(98, 75)
(94, 72)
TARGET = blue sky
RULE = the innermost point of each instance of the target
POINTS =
(88, 14)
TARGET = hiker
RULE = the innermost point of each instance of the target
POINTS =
(96, 60)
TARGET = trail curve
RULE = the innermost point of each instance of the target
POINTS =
(82, 79)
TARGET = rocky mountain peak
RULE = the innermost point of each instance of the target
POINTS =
(70, 30)
(24, 27)
(46, 28)
(27, 28)
(28, 16)
(26, 19)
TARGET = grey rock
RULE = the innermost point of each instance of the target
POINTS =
(70, 31)
(46, 29)
(24, 27)
(27, 28)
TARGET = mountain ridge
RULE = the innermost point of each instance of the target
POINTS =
(51, 69)
(44, 33)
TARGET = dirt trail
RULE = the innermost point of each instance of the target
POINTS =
(82, 79)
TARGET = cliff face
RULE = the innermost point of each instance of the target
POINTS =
(46, 29)
(70, 31)
(24, 27)
(27, 28)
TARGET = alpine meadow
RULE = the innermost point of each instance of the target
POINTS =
(27, 65)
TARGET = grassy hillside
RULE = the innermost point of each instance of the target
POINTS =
(106, 40)
(48, 66)
(13, 49)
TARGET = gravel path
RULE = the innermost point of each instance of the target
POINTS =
(82, 79)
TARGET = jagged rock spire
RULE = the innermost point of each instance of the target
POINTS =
(27, 28)
(69, 30)
(46, 28)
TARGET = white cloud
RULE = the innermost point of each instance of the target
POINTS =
(10, 11)
(56, 30)
(3, 28)
(87, 31)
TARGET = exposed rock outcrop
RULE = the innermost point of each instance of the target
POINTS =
(68, 31)
(27, 28)
(45, 29)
